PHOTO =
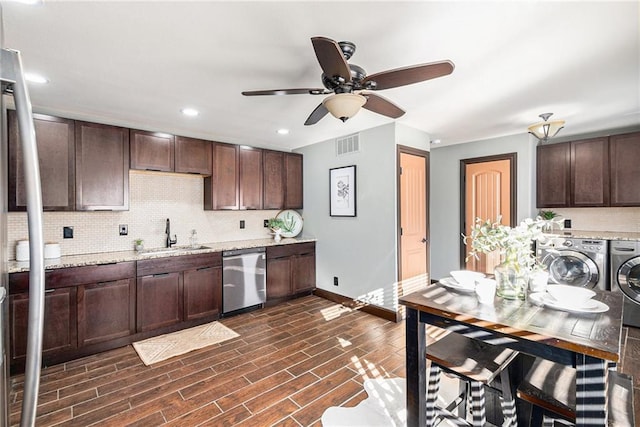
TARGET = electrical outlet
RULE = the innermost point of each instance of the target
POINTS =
(124, 229)
(567, 223)
(266, 223)
(67, 232)
(242, 223)
(335, 281)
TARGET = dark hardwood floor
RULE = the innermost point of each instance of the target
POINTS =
(289, 364)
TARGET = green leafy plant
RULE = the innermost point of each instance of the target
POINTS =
(275, 224)
(548, 215)
(139, 242)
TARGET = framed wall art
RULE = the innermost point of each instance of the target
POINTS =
(342, 191)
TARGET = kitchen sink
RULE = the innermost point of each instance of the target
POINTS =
(173, 250)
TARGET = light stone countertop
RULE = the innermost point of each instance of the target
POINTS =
(124, 256)
(602, 235)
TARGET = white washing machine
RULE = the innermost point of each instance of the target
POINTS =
(576, 262)
(625, 277)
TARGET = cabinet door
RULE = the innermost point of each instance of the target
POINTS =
(106, 311)
(278, 277)
(590, 172)
(624, 158)
(159, 301)
(273, 179)
(56, 155)
(60, 332)
(293, 180)
(193, 156)
(152, 151)
(250, 178)
(304, 272)
(221, 188)
(202, 293)
(553, 175)
(102, 167)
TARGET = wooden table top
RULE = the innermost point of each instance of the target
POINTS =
(594, 334)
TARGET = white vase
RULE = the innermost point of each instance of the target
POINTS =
(276, 236)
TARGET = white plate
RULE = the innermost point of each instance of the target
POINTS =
(293, 223)
(450, 282)
(542, 298)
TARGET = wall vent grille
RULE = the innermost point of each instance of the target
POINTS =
(348, 144)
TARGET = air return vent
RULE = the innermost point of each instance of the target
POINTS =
(348, 144)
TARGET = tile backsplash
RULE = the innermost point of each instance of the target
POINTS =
(603, 219)
(154, 197)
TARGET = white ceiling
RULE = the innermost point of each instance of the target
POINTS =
(137, 64)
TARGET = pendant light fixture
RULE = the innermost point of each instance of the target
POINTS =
(343, 106)
(546, 129)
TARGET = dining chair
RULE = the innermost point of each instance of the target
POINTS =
(477, 365)
(550, 389)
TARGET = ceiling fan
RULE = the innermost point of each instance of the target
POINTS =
(351, 86)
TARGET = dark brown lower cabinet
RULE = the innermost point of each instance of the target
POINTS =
(59, 322)
(202, 293)
(291, 269)
(106, 310)
(159, 301)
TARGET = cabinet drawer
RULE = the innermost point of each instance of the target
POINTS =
(74, 276)
(178, 263)
(291, 249)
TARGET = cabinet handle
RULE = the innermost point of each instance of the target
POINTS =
(48, 291)
(204, 268)
(161, 274)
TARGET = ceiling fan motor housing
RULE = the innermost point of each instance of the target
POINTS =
(338, 84)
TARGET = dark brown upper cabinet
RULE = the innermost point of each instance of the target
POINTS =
(293, 181)
(221, 189)
(56, 148)
(152, 151)
(273, 179)
(102, 167)
(250, 178)
(602, 172)
(193, 155)
(590, 172)
(624, 157)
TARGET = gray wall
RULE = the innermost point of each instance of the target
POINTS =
(360, 251)
(445, 192)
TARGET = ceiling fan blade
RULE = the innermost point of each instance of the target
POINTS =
(302, 91)
(380, 105)
(316, 115)
(409, 75)
(331, 59)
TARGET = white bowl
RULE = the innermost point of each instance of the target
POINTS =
(466, 278)
(570, 295)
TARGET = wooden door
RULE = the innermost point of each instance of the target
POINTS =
(221, 188)
(273, 179)
(590, 172)
(488, 195)
(193, 156)
(102, 167)
(152, 151)
(159, 301)
(56, 148)
(202, 293)
(304, 272)
(624, 155)
(250, 178)
(293, 179)
(413, 216)
(553, 175)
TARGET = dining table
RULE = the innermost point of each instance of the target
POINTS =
(589, 340)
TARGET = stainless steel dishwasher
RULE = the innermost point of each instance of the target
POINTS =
(243, 279)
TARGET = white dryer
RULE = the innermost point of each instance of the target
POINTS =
(625, 277)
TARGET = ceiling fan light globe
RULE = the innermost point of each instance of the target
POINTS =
(343, 106)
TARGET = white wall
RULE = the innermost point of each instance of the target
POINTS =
(360, 251)
(445, 192)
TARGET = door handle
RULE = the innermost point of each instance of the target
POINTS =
(424, 240)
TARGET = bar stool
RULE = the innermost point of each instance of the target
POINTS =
(550, 389)
(476, 364)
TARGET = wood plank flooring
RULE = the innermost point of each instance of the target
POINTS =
(289, 364)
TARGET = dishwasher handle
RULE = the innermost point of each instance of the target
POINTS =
(237, 252)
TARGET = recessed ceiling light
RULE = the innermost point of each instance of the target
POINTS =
(283, 131)
(192, 112)
(436, 141)
(35, 78)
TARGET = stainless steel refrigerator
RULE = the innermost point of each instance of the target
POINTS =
(13, 85)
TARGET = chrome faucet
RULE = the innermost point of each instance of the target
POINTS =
(170, 241)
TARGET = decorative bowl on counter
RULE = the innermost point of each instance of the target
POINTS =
(570, 295)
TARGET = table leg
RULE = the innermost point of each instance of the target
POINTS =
(416, 369)
(591, 391)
